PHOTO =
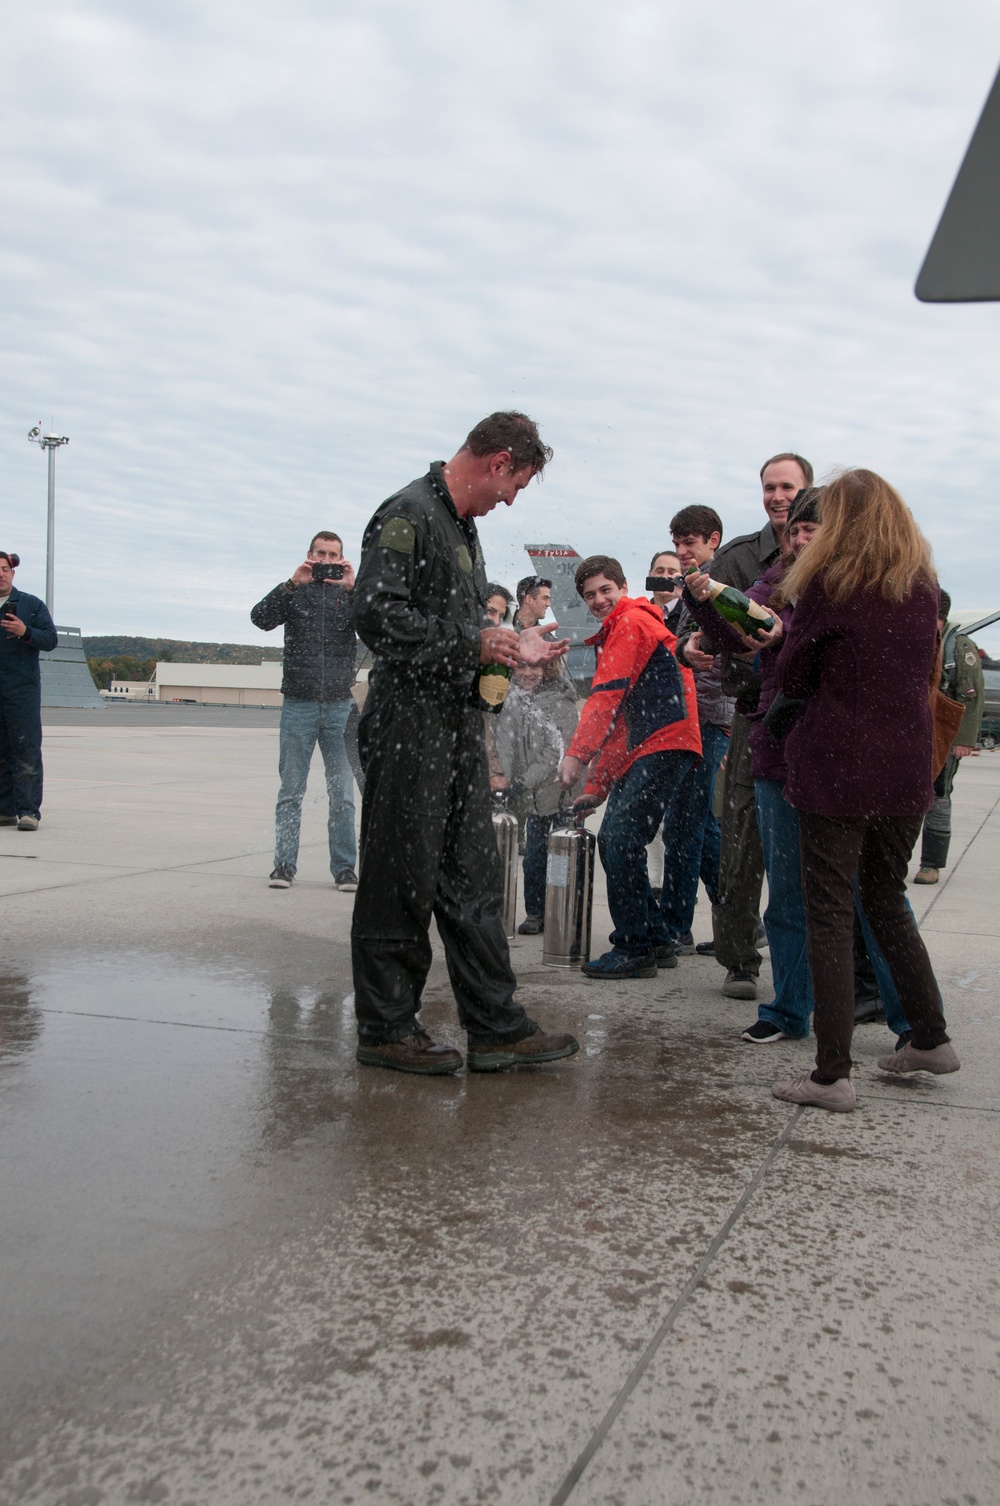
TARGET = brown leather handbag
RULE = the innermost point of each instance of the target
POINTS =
(947, 715)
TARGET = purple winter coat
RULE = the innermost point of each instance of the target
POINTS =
(863, 743)
(767, 757)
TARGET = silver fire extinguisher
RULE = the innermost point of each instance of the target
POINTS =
(505, 831)
(569, 894)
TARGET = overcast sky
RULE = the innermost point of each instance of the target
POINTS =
(263, 263)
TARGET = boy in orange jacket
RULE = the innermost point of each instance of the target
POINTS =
(639, 733)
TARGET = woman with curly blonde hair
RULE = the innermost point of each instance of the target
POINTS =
(860, 654)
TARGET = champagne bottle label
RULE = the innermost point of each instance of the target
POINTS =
(494, 683)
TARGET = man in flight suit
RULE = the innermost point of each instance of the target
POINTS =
(427, 841)
(962, 679)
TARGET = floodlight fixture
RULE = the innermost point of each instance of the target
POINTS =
(51, 443)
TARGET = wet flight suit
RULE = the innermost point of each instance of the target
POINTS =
(427, 841)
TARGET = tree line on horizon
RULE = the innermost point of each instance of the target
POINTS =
(133, 658)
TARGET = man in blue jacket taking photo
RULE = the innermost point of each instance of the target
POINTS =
(26, 630)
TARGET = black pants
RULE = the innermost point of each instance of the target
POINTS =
(741, 860)
(21, 753)
(428, 849)
(876, 849)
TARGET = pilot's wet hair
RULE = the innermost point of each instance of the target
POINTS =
(511, 431)
(599, 564)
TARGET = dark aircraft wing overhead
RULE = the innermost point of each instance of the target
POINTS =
(962, 264)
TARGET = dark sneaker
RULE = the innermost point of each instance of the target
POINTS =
(8, 820)
(740, 983)
(615, 964)
(705, 949)
(414, 1053)
(685, 945)
(27, 823)
(527, 1053)
(867, 1011)
(531, 925)
(762, 1033)
(282, 877)
(666, 955)
(346, 881)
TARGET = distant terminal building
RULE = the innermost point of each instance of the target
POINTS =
(206, 684)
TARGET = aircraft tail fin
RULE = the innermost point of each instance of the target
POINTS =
(558, 563)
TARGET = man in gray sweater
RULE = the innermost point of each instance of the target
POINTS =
(736, 919)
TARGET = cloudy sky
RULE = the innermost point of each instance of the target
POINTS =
(262, 263)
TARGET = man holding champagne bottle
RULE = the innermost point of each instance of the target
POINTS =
(427, 843)
(741, 870)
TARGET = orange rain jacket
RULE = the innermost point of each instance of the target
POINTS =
(642, 699)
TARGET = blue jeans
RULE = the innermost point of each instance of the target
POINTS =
(692, 838)
(785, 916)
(303, 725)
(637, 806)
(888, 992)
(785, 922)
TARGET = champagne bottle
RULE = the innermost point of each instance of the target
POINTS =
(494, 682)
(735, 608)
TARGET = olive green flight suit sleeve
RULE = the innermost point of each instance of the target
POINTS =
(969, 689)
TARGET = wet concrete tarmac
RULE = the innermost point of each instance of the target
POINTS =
(239, 1268)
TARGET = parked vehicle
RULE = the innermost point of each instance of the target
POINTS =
(991, 709)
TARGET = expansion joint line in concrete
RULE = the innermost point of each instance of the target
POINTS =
(571, 1481)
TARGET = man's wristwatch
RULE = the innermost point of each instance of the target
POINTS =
(290, 585)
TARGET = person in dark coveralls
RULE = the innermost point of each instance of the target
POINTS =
(427, 842)
(26, 630)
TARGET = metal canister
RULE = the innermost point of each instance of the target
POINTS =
(569, 895)
(505, 830)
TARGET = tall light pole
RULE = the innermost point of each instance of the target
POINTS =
(51, 443)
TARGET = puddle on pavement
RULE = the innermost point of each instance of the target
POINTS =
(159, 1114)
(139, 1097)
